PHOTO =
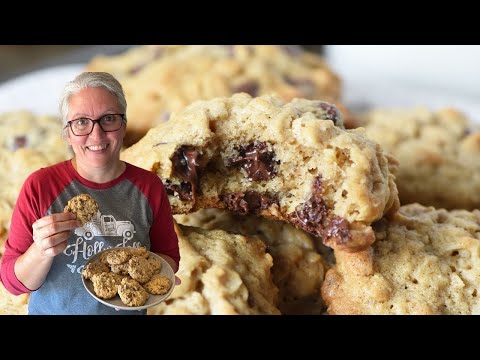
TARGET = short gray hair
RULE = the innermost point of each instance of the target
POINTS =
(92, 79)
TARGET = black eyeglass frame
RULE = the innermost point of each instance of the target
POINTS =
(69, 123)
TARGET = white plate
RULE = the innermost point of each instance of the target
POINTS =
(116, 302)
(38, 91)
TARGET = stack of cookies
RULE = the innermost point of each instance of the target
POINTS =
(132, 273)
(294, 164)
(289, 162)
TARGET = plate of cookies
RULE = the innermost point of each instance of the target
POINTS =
(128, 278)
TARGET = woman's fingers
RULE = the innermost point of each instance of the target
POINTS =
(52, 224)
(55, 250)
(54, 239)
(52, 230)
(54, 218)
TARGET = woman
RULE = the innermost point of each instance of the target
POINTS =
(44, 254)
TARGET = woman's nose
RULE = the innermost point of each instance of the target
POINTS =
(97, 131)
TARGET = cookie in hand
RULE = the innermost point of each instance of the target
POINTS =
(84, 206)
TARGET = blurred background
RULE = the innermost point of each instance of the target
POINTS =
(409, 75)
(372, 75)
(16, 60)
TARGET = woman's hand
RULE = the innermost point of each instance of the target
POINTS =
(51, 232)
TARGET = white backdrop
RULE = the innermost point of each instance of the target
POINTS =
(408, 75)
(37, 91)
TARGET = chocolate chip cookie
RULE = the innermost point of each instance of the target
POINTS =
(221, 273)
(132, 293)
(425, 261)
(84, 206)
(140, 269)
(162, 79)
(94, 268)
(105, 285)
(285, 161)
(438, 152)
(298, 267)
(118, 256)
(158, 285)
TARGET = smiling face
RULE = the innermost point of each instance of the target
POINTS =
(99, 149)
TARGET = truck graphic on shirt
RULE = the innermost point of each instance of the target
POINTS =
(106, 225)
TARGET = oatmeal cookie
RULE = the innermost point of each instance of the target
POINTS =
(118, 256)
(162, 79)
(425, 261)
(155, 264)
(140, 251)
(221, 273)
(121, 269)
(103, 258)
(119, 277)
(28, 142)
(158, 285)
(298, 267)
(132, 293)
(84, 206)
(285, 161)
(140, 269)
(94, 268)
(439, 155)
(105, 285)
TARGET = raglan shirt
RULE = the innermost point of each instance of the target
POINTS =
(133, 211)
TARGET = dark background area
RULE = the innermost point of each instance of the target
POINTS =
(16, 60)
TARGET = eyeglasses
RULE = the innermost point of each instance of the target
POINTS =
(108, 123)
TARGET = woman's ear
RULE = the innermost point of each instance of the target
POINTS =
(66, 135)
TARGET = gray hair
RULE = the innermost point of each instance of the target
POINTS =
(92, 79)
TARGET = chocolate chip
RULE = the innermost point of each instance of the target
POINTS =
(306, 86)
(230, 50)
(251, 300)
(182, 191)
(337, 228)
(331, 111)
(157, 53)
(19, 142)
(314, 217)
(250, 87)
(250, 202)
(185, 164)
(164, 116)
(136, 69)
(256, 160)
(293, 50)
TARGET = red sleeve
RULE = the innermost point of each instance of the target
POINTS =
(163, 238)
(27, 210)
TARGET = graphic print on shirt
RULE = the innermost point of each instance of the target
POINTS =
(101, 225)
(106, 225)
